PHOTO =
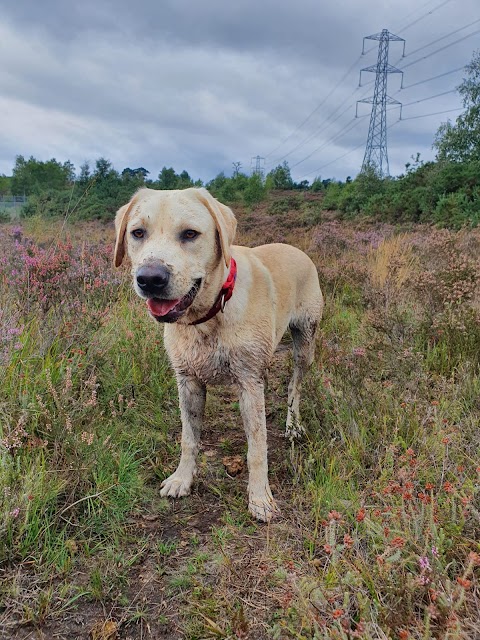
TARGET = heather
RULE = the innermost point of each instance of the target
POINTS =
(380, 522)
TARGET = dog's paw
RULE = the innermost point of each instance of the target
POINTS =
(176, 486)
(263, 508)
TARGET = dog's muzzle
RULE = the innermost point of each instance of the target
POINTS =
(153, 279)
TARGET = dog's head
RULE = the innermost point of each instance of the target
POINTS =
(179, 246)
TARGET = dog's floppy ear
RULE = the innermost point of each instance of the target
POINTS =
(225, 221)
(121, 220)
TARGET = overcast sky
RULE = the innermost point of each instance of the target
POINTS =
(198, 85)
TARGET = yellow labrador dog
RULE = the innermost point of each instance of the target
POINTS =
(225, 308)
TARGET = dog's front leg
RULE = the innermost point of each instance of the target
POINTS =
(192, 393)
(252, 406)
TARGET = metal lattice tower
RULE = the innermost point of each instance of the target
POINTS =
(376, 150)
(258, 169)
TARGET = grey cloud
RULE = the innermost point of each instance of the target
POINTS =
(279, 28)
(198, 85)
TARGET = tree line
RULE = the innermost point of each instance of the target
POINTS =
(445, 191)
(53, 188)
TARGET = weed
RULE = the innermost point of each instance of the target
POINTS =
(381, 519)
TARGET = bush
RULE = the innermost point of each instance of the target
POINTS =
(317, 185)
(333, 196)
(255, 190)
(280, 178)
(284, 205)
(312, 213)
(456, 210)
(48, 204)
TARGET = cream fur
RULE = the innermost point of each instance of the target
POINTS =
(277, 288)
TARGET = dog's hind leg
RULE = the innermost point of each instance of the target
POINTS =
(192, 393)
(303, 336)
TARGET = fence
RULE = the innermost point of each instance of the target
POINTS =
(12, 205)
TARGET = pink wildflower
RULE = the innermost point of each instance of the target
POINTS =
(424, 563)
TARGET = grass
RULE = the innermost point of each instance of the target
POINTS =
(380, 500)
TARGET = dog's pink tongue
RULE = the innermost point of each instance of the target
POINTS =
(161, 307)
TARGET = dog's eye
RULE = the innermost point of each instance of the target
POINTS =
(189, 234)
(138, 233)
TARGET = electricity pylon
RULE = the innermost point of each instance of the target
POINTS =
(257, 169)
(376, 155)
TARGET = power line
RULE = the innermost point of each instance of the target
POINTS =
(316, 108)
(439, 6)
(437, 95)
(436, 113)
(425, 46)
(332, 161)
(317, 131)
(343, 155)
(425, 115)
(441, 75)
(347, 73)
(328, 122)
(447, 35)
(322, 128)
(441, 49)
(415, 11)
(346, 129)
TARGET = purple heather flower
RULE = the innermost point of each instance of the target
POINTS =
(424, 563)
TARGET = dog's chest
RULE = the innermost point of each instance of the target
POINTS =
(211, 359)
(202, 356)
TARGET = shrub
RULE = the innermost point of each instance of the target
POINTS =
(4, 216)
(333, 194)
(48, 204)
(457, 209)
(283, 205)
(255, 190)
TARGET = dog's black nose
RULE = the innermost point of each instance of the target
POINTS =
(153, 279)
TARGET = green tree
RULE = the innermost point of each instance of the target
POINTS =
(461, 141)
(317, 184)
(69, 169)
(228, 190)
(216, 185)
(5, 183)
(103, 192)
(84, 175)
(184, 181)
(280, 177)
(34, 176)
(103, 169)
(138, 175)
(303, 185)
(255, 190)
(167, 178)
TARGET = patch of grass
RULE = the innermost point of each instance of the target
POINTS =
(380, 514)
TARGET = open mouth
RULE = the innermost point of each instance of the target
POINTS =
(171, 310)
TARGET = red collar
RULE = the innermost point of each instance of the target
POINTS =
(224, 295)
